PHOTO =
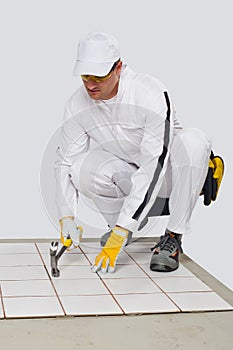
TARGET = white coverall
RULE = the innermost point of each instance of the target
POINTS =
(124, 152)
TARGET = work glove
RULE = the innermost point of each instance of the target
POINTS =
(107, 258)
(213, 179)
(70, 233)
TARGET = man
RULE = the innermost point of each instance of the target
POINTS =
(122, 146)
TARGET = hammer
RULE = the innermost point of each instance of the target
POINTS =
(54, 257)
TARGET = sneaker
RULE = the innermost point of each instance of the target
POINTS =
(106, 236)
(165, 257)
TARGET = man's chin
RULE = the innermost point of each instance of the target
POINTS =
(95, 95)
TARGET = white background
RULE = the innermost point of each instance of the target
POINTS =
(186, 44)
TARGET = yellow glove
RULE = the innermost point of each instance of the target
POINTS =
(70, 233)
(213, 179)
(107, 258)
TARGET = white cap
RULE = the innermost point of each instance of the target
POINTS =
(96, 54)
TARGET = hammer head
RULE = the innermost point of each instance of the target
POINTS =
(54, 257)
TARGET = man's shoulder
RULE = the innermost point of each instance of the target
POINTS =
(150, 83)
(77, 96)
(144, 89)
(146, 82)
(78, 101)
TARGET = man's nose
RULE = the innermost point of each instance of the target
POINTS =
(91, 83)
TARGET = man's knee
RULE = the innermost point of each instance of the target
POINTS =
(92, 174)
(80, 176)
(192, 146)
(195, 139)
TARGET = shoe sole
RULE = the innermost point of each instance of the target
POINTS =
(162, 268)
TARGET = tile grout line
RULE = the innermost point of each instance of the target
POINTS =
(112, 295)
(51, 281)
(193, 291)
(83, 253)
(145, 277)
(155, 282)
(2, 303)
(136, 293)
(115, 294)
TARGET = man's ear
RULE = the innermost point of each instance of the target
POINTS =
(119, 67)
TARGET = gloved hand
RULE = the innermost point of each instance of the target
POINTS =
(106, 259)
(70, 233)
(213, 179)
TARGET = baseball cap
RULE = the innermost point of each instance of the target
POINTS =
(96, 54)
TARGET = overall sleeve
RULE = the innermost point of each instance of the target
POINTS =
(73, 141)
(154, 152)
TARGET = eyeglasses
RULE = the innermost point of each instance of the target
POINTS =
(96, 78)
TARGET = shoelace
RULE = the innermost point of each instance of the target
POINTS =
(168, 243)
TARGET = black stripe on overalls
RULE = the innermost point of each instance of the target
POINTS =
(160, 161)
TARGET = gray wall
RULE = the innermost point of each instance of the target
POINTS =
(186, 44)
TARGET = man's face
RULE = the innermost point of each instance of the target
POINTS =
(106, 89)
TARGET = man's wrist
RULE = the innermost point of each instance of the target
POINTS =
(121, 228)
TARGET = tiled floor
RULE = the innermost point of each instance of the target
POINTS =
(28, 290)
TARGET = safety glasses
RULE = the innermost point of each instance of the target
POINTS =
(96, 78)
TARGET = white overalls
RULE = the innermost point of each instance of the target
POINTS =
(125, 152)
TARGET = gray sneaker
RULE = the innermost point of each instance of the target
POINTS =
(165, 257)
(106, 236)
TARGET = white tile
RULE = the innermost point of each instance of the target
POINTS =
(200, 301)
(124, 271)
(140, 247)
(91, 247)
(32, 307)
(27, 288)
(20, 260)
(45, 248)
(67, 259)
(146, 303)
(180, 272)
(90, 305)
(77, 250)
(22, 273)
(131, 286)
(84, 286)
(76, 272)
(46, 260)
(1, 310)
(141, 258)
(181, 284)
(123, 258)
(17, 248)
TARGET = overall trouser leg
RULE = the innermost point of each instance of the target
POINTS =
(189, 159)
(105, 179)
